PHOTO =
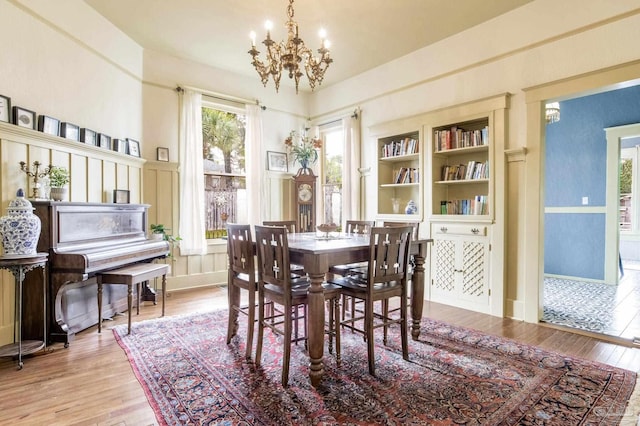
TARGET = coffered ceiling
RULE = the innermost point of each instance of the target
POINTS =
(363, 33)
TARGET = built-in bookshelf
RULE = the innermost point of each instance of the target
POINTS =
(399, 174)
(461, 169)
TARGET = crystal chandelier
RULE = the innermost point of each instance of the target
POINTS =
(292, 55)
(552, 112)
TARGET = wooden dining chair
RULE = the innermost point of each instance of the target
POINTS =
(386, 278)
(291, 225)
(412, 264)
(242, 276)
(358, 227)
(277, 286)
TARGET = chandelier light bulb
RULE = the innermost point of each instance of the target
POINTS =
(252, 36)
(326, 44)
(322, 33)
(268, 25)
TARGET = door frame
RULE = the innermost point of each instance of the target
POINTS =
(617, 77)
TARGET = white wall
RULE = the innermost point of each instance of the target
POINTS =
(90, 78)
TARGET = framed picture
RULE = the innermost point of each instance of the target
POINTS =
(5, 109)
(163, 154)
(120, 145)
(70, 131)
(134, 147)
(49, 125)
(23, 117)
(88, 136)
(104, 141)
(277, 161)
(121, 196)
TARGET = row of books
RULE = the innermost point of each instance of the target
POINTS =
(479, 205)
(472, 170)
(460, 138)
(404, 146)
(407, 175)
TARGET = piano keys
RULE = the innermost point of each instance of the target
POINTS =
(83, 239)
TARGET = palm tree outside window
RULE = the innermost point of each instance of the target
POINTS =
(223, 140)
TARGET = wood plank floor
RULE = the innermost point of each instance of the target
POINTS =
(91, 382)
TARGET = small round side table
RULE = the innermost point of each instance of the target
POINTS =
(19, 266)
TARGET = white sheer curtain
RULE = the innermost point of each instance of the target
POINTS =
(351, 174)
(192, 208)
(256, 187)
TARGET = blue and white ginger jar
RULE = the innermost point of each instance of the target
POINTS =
(20, 228)
(411, 208)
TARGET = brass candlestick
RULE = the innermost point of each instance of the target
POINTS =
(36, 175)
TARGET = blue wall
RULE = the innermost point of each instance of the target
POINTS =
(575, 167)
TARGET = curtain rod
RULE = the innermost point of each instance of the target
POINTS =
(337, 120)
(222, 97)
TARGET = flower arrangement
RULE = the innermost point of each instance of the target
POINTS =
(302, 148)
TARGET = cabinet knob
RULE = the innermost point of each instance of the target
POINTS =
(443, 229)
(475, 230)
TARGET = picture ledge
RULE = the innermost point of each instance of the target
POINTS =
(10, 132)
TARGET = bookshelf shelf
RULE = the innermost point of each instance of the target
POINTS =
(461, 154)
(461, 181)
(400, 158)
(398, 185)
(399, 171)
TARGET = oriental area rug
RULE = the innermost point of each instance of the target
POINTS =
(454, 376)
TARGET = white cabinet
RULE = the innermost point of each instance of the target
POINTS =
(460, 265)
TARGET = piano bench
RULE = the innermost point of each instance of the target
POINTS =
(132, 275)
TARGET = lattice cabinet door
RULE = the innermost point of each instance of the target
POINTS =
(460, 266)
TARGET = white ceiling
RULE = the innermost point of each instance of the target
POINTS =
(363, 33)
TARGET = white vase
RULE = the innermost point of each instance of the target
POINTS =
(59, 194)
(20, 228)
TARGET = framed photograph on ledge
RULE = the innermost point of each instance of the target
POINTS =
(277, 161)
(88, 136)
(104, 141)
(120, 145)
(49, 125)
(70, 131)
(134, 147)
(163, 154)
(5, 109)
(24, 118)
(121, 196)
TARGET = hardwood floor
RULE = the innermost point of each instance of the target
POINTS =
(91, 382)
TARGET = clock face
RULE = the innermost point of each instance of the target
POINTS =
(304, 192)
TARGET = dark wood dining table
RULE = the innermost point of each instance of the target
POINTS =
(317, 252)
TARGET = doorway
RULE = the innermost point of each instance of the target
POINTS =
(582, 284)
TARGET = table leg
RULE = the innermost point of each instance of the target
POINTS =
(316, 328)
(417, 294)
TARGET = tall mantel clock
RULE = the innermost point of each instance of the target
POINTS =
(305, 200)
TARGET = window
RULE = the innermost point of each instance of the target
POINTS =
(332, 173)
(223, 140)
